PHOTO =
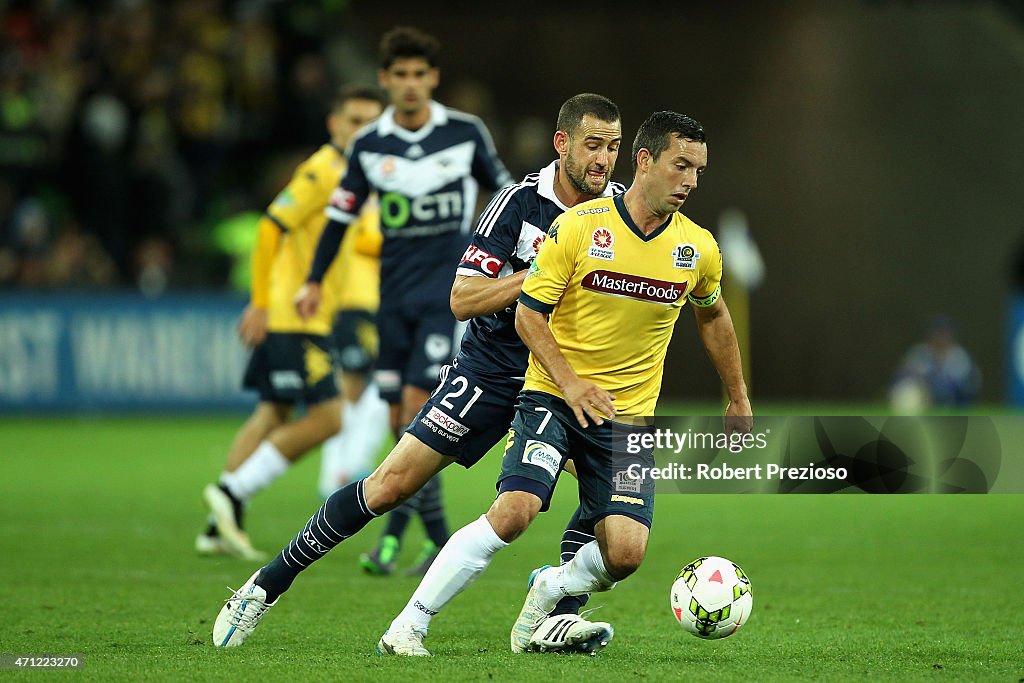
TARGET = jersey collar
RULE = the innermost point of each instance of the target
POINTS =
(546, 185)
(620, 205)
(386, 123)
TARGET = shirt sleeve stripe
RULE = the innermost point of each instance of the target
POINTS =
(494, 209)
(531, 303)
(276, 221)
(462, 270)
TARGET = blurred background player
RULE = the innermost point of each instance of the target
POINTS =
(426, 163)
(937, 372)
(350, 454)
(291, 359)
(473, 405)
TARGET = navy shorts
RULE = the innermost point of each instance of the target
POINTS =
(355, 340)
(466, 415)
(414, 346)
(545, 434)
(292, 368)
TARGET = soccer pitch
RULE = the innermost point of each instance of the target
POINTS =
(98, 518)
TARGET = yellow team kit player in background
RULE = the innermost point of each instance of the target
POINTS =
(291, 360)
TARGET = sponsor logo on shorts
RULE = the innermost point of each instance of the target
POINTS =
(634, 287)
(627, 499)
(543, 455)
(624, 483)
(446, 421)
(388, 380)
(475, 256)
(285, 379)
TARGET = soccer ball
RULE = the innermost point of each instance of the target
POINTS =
(711, 598)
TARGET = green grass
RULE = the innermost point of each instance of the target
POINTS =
(97, 519)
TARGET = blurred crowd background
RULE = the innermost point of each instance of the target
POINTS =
(874, 145)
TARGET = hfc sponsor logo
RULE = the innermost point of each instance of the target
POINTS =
(633, 287)
(488, 263)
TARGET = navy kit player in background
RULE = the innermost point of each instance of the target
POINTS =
(425, 162)
(471, 409)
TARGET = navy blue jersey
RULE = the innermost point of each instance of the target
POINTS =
(508, 235)
(426, 181)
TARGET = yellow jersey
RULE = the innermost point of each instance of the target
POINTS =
(298, 210)
(614, 295)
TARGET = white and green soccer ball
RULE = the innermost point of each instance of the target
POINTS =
(711, 598)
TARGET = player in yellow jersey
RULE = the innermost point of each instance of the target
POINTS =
(350, 454)
(291, 360)
(597, 311)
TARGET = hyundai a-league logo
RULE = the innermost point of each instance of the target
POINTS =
(603, 238)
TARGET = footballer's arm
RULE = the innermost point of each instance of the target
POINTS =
(719, 337)
(585, 398)
(476, 295)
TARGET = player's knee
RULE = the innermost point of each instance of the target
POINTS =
(512, 513)
(623, 559)
(388, 488)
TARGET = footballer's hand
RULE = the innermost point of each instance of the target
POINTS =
(308, 300)
(252, 328)
(589, 400)
(739, 418)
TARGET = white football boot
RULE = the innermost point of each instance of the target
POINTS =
(571, 633)
(233, 540)
(210, 545)
(241, 614)
(404, 640)
(532, 615)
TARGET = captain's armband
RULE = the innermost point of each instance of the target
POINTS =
(705, 301)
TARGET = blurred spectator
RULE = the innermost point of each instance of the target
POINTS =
(127, 129)
(935, 373)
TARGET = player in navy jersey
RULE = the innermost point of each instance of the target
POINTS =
(425, 162)
(471, 409)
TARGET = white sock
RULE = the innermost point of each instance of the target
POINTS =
(584, 573)
(257, 473)
(332, 455)
(463, 558)
(370, 420)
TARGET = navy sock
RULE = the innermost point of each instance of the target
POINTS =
(342, 515)
(432, 512)
(399, 518)
(575, 536)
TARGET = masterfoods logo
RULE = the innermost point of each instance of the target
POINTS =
(633, 287)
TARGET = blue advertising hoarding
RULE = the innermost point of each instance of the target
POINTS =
(120, 351)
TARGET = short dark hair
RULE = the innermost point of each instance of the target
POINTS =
(406, 41)
(358, 92)
(576, 107)
(654, 132)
